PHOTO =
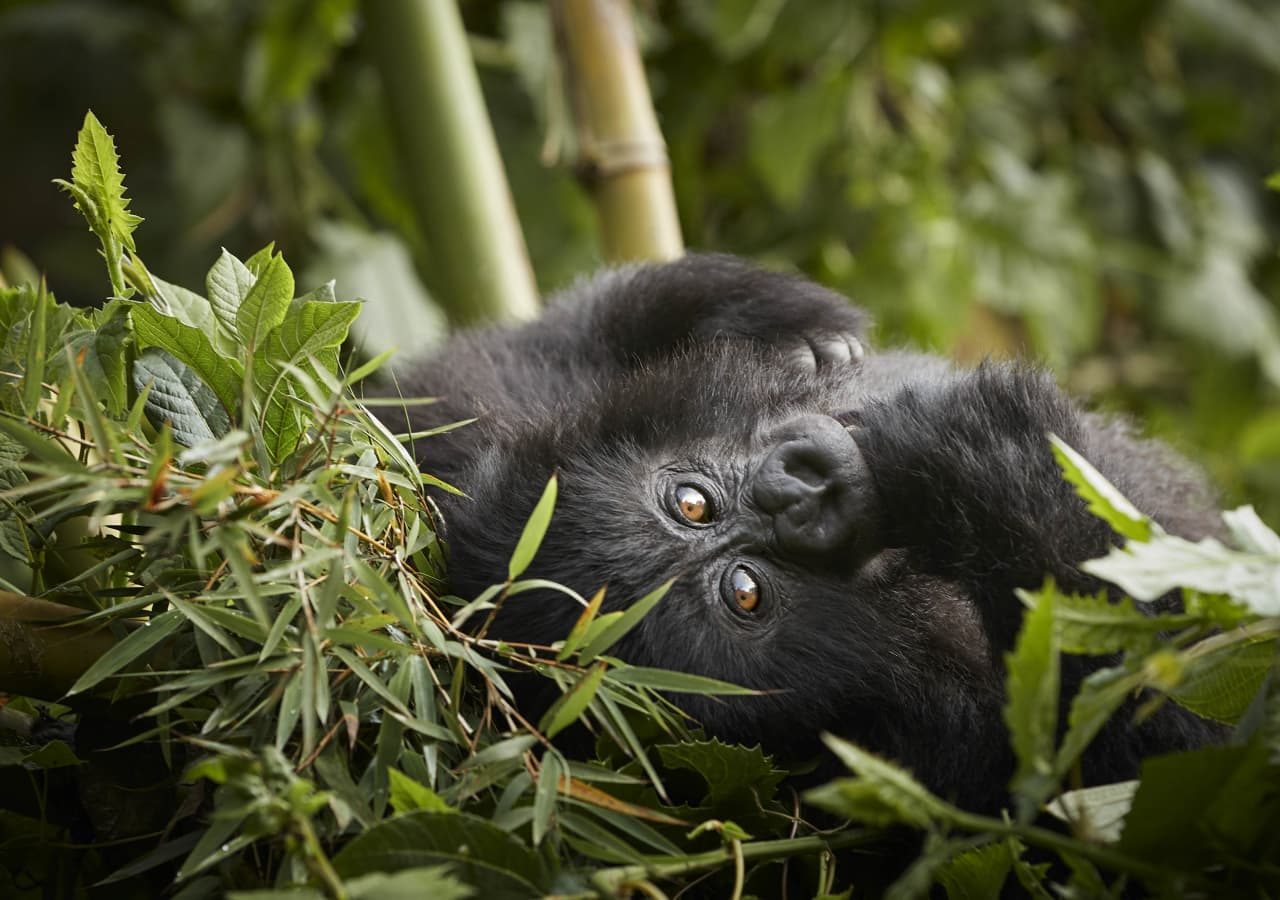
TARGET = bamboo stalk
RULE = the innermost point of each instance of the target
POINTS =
(622, 156)
(450, 166)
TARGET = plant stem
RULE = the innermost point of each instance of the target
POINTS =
(609, 880)
(451, 171)
(621, 152)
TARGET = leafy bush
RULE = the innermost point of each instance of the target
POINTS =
(262, 689)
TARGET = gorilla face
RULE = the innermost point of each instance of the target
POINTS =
(845, 530)
(752, 494)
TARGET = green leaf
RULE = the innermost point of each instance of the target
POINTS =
(257, 264)
(580, 629)
(550, 772)
(1100, 495)
(179, 397)
(101, 354)
(188, 307)
(616, 629)
(434, 882)
(882, 794)
(677, 682)
(1031, 710)
(482, 855)
(132, 648)
(95, 171)
(573, 703)
(37, 354)
(154, 329)
(227, 284)
(1098, 625)
(408, 795)
(740, 780)
(534, 530)
(266, 304)
(1222, 684)
(1191, 807)
(976, 875)
(310, 335)
(1096, 813)
(1147, 571)
(1099, 697)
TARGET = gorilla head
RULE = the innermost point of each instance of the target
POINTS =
(845, 529)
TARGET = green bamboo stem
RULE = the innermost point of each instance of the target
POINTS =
(450, 167)
(622, 156)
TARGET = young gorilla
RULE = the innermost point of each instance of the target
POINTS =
(846, 528)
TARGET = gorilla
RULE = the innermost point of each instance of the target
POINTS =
(846, 527)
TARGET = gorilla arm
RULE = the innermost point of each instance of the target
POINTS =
(968, 484)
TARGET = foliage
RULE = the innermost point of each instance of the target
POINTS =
(193, 473)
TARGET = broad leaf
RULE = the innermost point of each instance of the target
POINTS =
(154, 329)
(179, 397)
(264, 307)
(482, 855)
(227, 284)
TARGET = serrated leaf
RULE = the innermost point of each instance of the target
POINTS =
(617, 629)
(572, 703)
(95, 170)
(228, 283)
(133, 647)
(534, 530)
(1100, 495)
(482, 855)
(1222, 684)
(190, 345)
(1031, 708)
(266, 304)
(179, 397)
(976, 875)
(738, 779)
(882, 794)
(1147, 571)
(1097, 700)
(1097, 625)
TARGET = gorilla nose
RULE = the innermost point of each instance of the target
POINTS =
(815, 485)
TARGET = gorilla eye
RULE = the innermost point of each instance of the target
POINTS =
(692, 505)
(746, 592)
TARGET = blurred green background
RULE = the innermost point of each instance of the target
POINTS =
(1079, 182)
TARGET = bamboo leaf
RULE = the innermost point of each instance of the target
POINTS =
(573, 703)
(534, 530)
(628, 620)
(132, 648)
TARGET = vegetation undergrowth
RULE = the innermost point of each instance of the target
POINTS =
(224, 574)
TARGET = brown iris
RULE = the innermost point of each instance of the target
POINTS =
(692, 505)
(746, 593)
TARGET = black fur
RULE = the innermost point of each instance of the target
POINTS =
(887, 503)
